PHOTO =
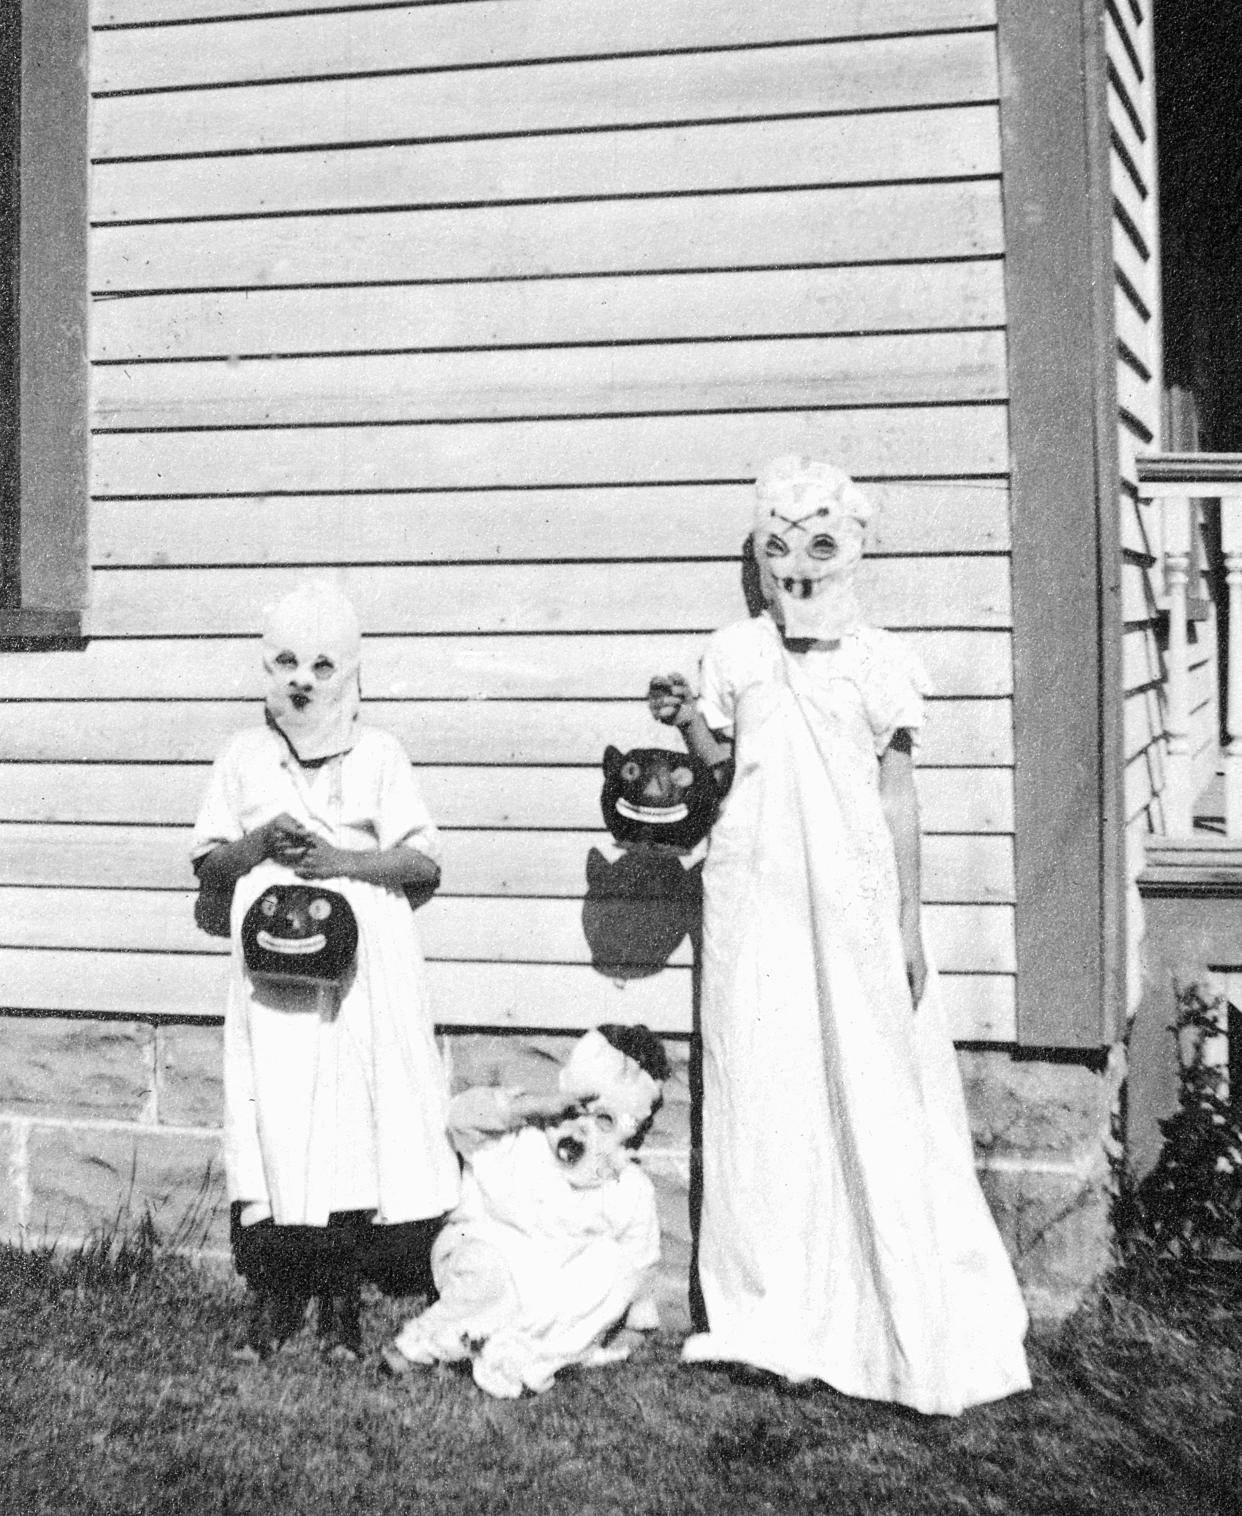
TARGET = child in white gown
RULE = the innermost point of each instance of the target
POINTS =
(844, 1236)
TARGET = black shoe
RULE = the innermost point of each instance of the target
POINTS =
(274, 1317)
(340, 1325)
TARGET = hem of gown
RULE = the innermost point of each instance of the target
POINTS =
(714, 1347)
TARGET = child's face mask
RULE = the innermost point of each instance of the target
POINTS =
(311, 650)
(590, 1145)
(616, 1096)
(808, 541)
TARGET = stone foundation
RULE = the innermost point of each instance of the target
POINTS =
(103, 1121)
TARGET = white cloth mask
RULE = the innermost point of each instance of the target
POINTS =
(598, 1072)
(312, 648)
(808, 540)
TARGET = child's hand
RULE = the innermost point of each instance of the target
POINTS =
(320, 860)
(916, 961)
(284, 839)
(670, 700)
(544, 1109)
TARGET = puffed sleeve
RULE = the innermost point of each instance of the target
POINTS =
(402, 817)
(717, 688)
(894, 684)
(219, 816)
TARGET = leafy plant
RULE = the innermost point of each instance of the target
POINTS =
(1190, 1206)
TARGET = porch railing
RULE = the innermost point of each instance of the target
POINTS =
(1195, 530)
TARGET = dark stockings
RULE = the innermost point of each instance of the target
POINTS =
(288, 1266)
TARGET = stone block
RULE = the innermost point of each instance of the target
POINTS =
(1057, 1226)
(673, 1277)
(527, 1061)
(1033, 1107)
(86, 1179)
(57, 1066)
(190, 1062)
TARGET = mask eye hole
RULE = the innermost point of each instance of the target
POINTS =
(630, 771)
(323, 668)
(775, 546)
(822, 545)
(285, 660)
(682, 777)
(604, 1120)
(319, 909)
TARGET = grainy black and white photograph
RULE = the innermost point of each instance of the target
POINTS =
(620, 757)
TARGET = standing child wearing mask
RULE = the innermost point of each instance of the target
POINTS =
(843, 1235)
(335, 1103)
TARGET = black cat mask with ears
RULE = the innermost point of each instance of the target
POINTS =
(656, 798)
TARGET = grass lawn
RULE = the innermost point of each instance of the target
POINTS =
(118, 1395)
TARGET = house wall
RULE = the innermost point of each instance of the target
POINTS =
(489, 312)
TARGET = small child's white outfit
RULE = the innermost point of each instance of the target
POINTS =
(337, 1109)
(532, 1271)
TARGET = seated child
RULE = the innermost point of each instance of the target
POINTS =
(556, 1230)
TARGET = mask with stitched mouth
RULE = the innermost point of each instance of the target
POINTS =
(311, 652)
(808, 540)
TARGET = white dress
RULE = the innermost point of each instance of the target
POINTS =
(328, 1106)
(844, 1236)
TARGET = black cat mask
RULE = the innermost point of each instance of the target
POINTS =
(655, 797)
(300, 934)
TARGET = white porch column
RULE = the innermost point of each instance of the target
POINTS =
(1231, 543)
(1178, 796)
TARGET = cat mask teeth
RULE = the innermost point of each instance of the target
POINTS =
(657, 815)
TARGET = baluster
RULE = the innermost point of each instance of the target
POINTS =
(1231, 542)
(1178, 799)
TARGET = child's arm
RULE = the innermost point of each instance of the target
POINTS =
(281, 838)
(397, 867)
(901, 810)
(487, 1111)
(672, 703)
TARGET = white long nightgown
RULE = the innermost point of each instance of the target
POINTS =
(844, 1236)
(331, 1108)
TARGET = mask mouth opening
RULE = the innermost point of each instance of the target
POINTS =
(660, 815)
(292, 945)
(299, 700)
(801, 589)
(570, 1151)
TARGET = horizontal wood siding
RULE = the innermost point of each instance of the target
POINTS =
(490, 311)
(1131, 116)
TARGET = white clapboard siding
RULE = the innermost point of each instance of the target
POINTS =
(501, 996)
(547, 312)
(940, 440)
(491, 797)
(1131, 110)
(970, 733)
(672, 378)
(956, 868)
(489, 312)
(758, 229)
(619, 92)
(684, 23)
(604, 666)
(942, 144)
(570, 597)
(434, 37)
(678, 521)
(632, 934)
